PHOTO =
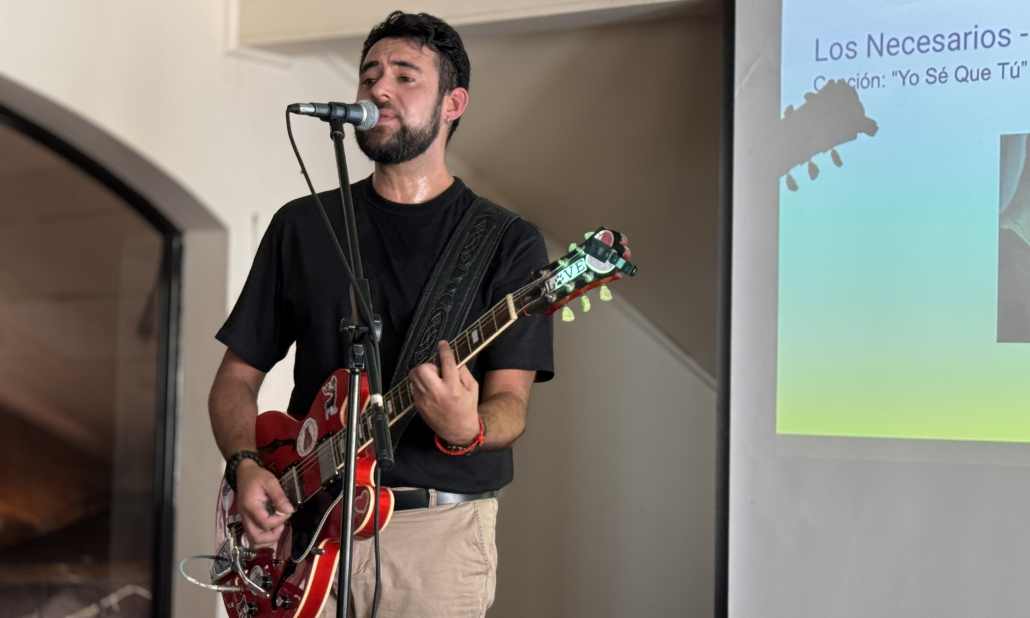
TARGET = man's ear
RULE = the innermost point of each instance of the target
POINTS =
(454, 104)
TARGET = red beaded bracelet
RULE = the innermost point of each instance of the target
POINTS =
(448, 449)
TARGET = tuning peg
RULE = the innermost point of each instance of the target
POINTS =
(586, 303)
(588, 235)
(836, 157)
(567, 315)
(572, 246)
(605, 294)
(813, 170)
(791, 183)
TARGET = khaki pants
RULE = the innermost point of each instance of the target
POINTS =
(436, 562)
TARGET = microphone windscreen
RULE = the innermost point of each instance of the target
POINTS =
(371, 115)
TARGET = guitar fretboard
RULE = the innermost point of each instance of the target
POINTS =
(399, 400)
(330, 454)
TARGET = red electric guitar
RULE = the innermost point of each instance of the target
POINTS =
(293, 579)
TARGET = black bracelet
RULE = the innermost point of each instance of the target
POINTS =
(234, 461)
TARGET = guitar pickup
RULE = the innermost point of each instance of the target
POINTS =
(327, 461)
(292, 483)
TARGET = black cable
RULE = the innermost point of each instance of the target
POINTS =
(364, 304)
(375, 542)
(373, 368)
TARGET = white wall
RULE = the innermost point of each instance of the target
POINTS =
(612, 508)
(160, 79)
(611, 511)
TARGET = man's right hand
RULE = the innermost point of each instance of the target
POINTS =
(256, 490)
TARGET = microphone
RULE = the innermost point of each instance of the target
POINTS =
(363, 115)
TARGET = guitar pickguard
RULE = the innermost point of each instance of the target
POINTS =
(307, 521)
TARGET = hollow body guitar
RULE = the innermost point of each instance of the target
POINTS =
(293, 579)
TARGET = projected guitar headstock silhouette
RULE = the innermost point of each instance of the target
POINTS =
(828, 118)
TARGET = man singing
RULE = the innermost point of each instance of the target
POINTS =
(438, 553)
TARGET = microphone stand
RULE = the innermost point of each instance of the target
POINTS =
(363, 353)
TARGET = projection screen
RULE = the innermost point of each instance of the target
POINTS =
(879, 330)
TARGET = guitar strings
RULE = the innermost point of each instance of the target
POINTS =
(309, 461)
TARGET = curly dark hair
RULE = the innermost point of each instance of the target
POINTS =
(437, 35)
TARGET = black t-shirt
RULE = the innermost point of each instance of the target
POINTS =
(297, 291)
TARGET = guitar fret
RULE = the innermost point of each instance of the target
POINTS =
(462, 349)
(399, 403)
(401, 398)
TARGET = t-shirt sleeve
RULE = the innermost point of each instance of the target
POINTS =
(258, 328)
(528, 343)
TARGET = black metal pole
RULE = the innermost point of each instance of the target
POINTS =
(362, 330)
(355, 365)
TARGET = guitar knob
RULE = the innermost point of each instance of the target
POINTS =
(605, 294)
(284, 602)
(247, 554)
(566, 314)
(586, 303)
(252, 609)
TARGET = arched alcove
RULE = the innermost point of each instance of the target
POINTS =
(186, 246)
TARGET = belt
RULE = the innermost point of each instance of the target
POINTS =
(407, 498)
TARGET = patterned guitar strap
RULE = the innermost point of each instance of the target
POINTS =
(447, 297)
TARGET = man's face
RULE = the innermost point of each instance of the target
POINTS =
(403, 80)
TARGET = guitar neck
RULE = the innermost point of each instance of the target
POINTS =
(399, 400)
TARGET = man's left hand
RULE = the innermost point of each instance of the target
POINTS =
(447, 398)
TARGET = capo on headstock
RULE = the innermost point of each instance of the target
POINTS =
(612, 254)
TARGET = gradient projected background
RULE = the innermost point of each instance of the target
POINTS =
(889, 264)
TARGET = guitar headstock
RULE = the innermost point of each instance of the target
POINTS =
(600, 259)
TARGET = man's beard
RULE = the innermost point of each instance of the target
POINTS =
(406, 144)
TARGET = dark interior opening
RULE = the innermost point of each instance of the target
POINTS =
(88, 289)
